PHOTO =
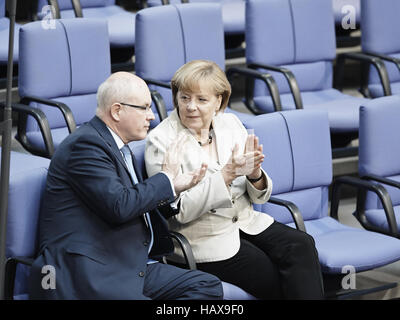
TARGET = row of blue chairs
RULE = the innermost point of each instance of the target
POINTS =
(299, 162)
(289, 64)
(121, 23)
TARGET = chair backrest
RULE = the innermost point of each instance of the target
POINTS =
(27, 183)
(379, 148)
(153, 3)
(66, 63)
(380, 22)
(298, 160)
(2, 8)
(296, 34)
(67, 4)
(184, 32)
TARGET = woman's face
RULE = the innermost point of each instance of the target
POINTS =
(197, 107)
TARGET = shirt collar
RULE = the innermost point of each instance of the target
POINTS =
(116, 138)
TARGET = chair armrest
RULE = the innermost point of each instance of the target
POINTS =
(363, 186)
(159, 104)
(157, 98)
(290, 78)
(65, 110)
(385, 58)
(44, 126)
(294, 211)
(368, 60)
(76, 4)
(266, 78)
(10, 272)
(55, 8)
(186, 249)
(383, 180)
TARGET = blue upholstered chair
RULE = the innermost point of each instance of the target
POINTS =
(121, 23)
(294, 40)
(379, 152)
(167, 37)
(27, 180)
(59, 73)
(4, 34)
(233, 12)
(231, 292)
(380, 37)
(298, 160)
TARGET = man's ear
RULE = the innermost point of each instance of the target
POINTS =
(115, 111)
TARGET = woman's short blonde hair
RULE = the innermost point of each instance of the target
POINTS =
(188, 77)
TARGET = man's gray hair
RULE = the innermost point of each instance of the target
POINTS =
(118, 87)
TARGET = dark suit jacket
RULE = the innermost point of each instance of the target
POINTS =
(92, 229)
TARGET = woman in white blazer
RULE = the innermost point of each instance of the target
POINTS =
(229, 239)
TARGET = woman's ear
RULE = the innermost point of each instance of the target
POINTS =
(219, 97)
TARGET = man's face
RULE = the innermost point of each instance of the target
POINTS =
(135, 122)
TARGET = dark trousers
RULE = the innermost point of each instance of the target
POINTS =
(279, 263)
(167, 282)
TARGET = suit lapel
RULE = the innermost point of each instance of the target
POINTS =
(102, 129)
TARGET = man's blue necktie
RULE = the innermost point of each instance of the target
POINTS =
(126, 151)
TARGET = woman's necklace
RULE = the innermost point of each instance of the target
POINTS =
(210, 138)
(209, 141)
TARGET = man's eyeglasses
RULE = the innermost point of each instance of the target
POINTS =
(135, 106)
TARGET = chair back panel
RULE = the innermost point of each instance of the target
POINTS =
(182, 36)
(272, 132)
(379, 22)
(2, 8)
(283, 33)
(59, 64)
(377, 19)
(27, 183)
(67, 4)
(311, 148)
(379, 137)
(379, 148)
(298, 159)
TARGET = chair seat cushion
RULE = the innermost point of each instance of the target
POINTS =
(343, 109)
(339, 245)
(376, 90)
(58, 134)
(121, 23)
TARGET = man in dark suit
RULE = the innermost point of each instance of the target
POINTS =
(102, 228)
